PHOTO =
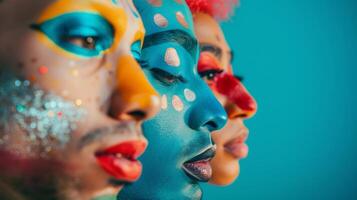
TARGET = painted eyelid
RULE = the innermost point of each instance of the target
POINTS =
(82, 31)
(172, 73)
(103, 40)
(78, 24)
(156, 73)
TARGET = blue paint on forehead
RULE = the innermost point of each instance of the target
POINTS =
(169, 10)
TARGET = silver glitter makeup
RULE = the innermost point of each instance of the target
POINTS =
(46, 119)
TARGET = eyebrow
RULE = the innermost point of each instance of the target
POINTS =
(215, 49)
(178, 36)
(211, 48)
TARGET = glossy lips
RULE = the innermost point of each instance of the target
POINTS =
(199, 167)
(120, 160)
(237, 147)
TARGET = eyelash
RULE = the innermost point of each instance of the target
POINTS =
(209, 75)
(86, 42)
(165, 77)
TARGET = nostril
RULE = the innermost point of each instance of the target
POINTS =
(137, 114)
(238, 115)
(211, 125)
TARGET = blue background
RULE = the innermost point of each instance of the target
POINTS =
(299, 59)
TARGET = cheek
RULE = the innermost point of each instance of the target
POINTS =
(221, 98)
(62, 73)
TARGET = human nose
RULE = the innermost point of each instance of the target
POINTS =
(207, 113)
(134, 97)
(240, 103)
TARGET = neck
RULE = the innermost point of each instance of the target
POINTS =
(20, 178)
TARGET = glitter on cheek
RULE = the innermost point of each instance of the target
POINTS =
(51, 114)
(78, 102)
(64, 93)
(74, 72)
(42, 70)
(32, 78)
(189, 95)
(59, 114)
(177, 103)
(164, 102)
(45, 118)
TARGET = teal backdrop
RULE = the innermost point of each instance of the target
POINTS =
(299, 60)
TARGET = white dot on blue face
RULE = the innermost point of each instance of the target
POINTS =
(172, 57)
(189, 95)
(177, 103)
(160, 21)
(164, 102)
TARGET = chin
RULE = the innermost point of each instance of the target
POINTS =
(194, 192)
(188, 192)
(225, 169)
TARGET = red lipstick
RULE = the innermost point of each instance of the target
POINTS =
(120, 160)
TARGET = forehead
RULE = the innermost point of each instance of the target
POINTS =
(33, 9)
(165, 15)
(208, 30)
(40, 5)
(105, 7)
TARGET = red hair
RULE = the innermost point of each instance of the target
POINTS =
(218, 9)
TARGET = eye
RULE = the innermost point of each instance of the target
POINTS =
(209, 75)
(86, 38)
(165, 77)
(89, 42)
(82, 34)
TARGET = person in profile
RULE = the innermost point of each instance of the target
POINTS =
(180, 149)
(72, 99)
(215, 67)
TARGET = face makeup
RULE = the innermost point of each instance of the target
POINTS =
(71, 97)
(215, 68)
(180, 149)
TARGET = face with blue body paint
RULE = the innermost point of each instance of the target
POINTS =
(180, 145)
(70, 115)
